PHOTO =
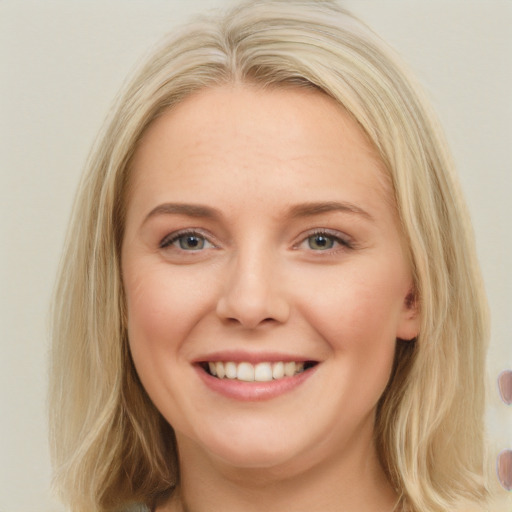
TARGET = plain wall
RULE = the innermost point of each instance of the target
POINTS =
(61, 63)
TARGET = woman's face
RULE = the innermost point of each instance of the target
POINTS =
(262, 242)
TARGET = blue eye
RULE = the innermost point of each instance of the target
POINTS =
(188, 241)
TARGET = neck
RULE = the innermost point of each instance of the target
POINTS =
(349, 482)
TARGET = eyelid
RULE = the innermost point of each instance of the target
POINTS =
(345, 241)
(342, 239)
(172, 237)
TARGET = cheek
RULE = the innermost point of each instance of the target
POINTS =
(363, 303)
(162, 307)
(358, 314)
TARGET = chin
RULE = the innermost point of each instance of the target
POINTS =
(252, 451)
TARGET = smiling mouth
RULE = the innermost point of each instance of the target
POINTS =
(260, 372)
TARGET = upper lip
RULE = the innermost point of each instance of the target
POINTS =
(251, 357)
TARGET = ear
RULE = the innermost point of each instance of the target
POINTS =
(409, 326)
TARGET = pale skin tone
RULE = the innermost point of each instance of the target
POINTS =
(260, 224)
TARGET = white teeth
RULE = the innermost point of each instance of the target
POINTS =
(231, 371)
(245, 371)
(219, 368)
(278, 370)
(261, 372)
(289, 369)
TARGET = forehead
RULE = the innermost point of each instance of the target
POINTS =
(286, 138)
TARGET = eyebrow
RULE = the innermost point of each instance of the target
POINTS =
(297, 211)
(310, 209)
(190, 210)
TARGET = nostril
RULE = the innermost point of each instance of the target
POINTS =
(250, 301)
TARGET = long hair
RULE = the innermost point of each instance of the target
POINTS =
(110, 446)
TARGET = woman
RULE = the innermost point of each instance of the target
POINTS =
(270, 295)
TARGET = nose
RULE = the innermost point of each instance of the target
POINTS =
(253, 294)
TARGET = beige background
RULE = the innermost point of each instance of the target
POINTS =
(61, 63)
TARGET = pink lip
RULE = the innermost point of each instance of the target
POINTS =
(253, 391)
(249, 357)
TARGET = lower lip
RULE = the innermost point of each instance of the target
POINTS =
(254, 391)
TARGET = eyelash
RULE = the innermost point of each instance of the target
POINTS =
(172, 238)
(332, 236)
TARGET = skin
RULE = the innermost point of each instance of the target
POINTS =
(263, 283)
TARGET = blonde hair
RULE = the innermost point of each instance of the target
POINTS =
(110, 446)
